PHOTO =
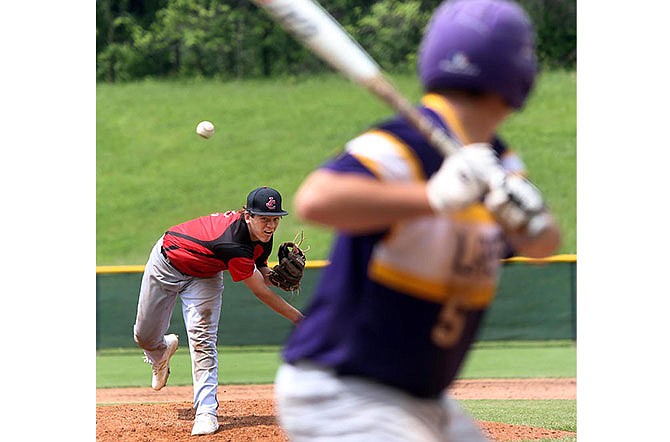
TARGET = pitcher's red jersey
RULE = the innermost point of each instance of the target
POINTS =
(206, 245)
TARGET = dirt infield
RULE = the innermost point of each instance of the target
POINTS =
(246, 412)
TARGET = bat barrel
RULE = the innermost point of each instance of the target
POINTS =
(313, 26)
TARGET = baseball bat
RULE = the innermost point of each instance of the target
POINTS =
(315, 28)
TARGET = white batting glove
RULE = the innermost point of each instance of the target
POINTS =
(518, 205)
(464, 177)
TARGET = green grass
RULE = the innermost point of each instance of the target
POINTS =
(557, 359)
(153, 171)
(545, 134)
(258, 364)
(555, 414)
(237, 365)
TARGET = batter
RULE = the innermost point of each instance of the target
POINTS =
(415, 261)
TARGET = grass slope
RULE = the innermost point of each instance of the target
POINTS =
(153, 171)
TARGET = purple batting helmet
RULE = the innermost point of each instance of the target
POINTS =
(480, 45)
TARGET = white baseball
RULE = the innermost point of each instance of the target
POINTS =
(205, 129)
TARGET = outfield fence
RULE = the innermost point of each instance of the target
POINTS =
(536, 300)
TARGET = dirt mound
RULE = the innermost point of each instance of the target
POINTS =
(246, 412)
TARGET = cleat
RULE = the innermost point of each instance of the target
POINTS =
(205, 424)
(161, 370)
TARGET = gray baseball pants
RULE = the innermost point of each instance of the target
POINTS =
(201, 308)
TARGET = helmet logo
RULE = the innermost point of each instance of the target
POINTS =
(271, 204)
(459, 64)
(527, 53)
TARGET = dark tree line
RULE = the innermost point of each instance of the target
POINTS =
(230, 39)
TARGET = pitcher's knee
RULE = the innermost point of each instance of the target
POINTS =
(147, 343)
(138, 340)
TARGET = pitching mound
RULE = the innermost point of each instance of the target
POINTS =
(246, 413)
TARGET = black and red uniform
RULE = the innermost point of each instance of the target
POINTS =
(207, 245)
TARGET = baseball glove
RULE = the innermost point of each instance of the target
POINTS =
(288, 273)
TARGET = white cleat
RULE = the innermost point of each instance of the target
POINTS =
(205, 424)
(161, 370)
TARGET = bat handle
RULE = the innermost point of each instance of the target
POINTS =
(381, 87)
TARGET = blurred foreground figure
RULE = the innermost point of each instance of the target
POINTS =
(415, 261)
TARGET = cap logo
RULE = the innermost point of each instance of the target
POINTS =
(459, 64)
(271, 204)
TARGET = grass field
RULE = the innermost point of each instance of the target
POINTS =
(153, 171)
(555, 414)
(258, 364)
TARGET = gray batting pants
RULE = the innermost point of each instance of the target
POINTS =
(201, 309)
(315, 405)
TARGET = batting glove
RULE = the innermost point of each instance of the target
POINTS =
(463, 178)
(518, 205)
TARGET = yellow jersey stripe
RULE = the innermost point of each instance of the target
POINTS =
(405, 152)
(440, 105)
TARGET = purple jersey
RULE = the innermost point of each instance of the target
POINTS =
(375, 308)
